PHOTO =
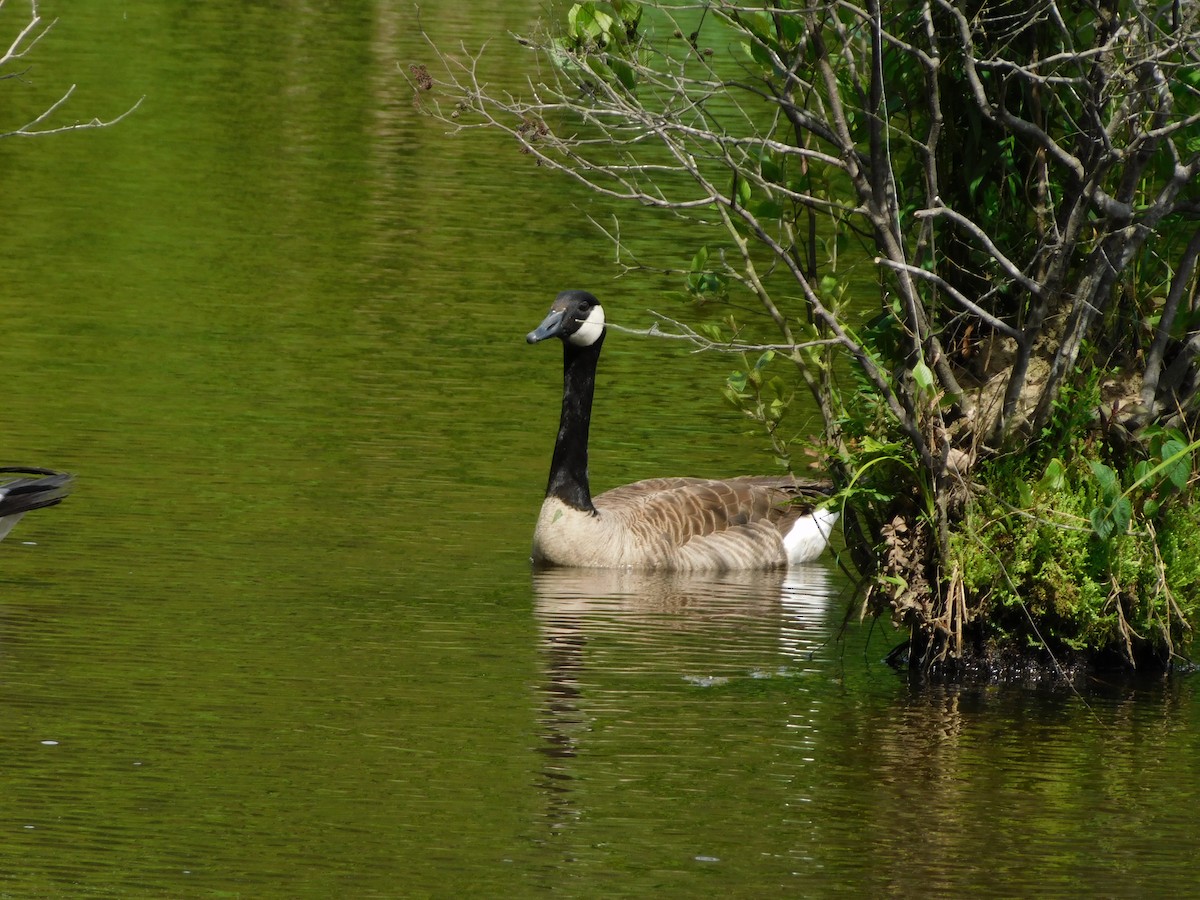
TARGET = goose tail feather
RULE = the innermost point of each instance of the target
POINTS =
(809, 536)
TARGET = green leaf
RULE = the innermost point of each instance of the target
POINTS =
(791, 28)
(1110, 485)
(1025, 493)
(630, 13)
(1101, 523)
(768, 209)
(700, 260)
(601, 25)
(1115, 518)
(770, 170)
(1121, 514)
(585, 22)
(560, 54)
(1178, 462)
(760, 25)
(1141, 471)
(765, 359)
(578, 18)
(743, 191)
(923, 376)
(624, 72)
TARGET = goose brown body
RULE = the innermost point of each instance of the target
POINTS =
(687, 524)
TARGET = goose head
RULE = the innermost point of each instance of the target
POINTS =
(575, 316)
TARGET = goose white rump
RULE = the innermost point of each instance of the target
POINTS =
(697, 524)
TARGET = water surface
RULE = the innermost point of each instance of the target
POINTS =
(284, 640)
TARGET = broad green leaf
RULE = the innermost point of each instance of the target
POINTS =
(1110, 485)
(791, 28)
(1054, 478)
(624, 72)
(630, 13)
(584, 21)
(768, 209)
(560, 54)
(760, 25)
(603, 23)
(770, 169)
(923, 376)
(1121, 513)
(1178, 462)
(1025, 495)
(1101, 523)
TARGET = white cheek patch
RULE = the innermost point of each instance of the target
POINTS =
(591, 329)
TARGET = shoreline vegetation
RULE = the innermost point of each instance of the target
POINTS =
(1012, 430)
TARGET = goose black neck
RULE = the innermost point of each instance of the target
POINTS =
(569, 466)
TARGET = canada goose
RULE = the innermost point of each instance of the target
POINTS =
(22, 494)
(694, 524)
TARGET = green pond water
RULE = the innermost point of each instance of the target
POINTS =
(284, 639)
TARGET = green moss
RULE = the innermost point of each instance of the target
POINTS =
(1040, 574)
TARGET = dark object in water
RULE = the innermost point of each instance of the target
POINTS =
(34, 488)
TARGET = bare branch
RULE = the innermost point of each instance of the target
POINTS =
(28, 37)
(1154, 357)
(22, 44)
(965, 302)
(703, 344)
(1010, 268)
(31, 129)
(1001, 114)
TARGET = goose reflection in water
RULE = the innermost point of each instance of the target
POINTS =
(605, 632)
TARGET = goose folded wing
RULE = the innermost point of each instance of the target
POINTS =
(711, 524)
